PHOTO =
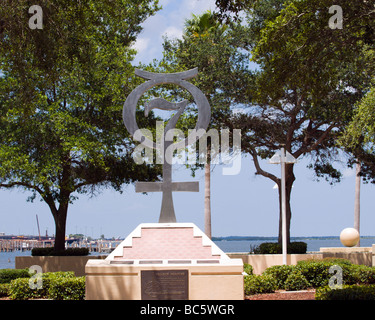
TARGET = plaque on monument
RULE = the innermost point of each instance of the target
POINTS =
(164, 285)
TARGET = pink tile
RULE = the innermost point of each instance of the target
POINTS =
(169, 243)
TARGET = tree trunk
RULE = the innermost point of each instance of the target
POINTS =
(60, 226)
(207, 194)
(59, 215)
(289, 176)
(357, 200)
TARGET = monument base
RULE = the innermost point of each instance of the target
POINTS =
(159, 261)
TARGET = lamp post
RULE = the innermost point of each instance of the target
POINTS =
(282, 157)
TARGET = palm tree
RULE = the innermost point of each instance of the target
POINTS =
(357, 199)
(201, 27)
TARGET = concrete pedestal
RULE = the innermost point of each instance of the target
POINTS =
(165, 261)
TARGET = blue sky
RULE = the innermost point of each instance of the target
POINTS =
(242, 204)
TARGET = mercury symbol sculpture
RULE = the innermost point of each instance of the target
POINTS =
(167, 186)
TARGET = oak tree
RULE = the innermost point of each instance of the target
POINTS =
(61, 93)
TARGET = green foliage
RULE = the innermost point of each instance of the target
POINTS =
(363, 274)
(296, 247)
(317, 271)
(20, 288)
(280, 273)
(4, 289)
(211, 47)
(7, 275)
(67, 252)
(348, 292)
(248, 268)
(359, 136)
(61, 94)
(358, 280)
(296, 281)
(255, 284)
(68, 289)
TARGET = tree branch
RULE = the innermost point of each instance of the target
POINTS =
(323, 136)
(47, 197)
(260, 171)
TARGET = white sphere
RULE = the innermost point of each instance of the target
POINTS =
(349, 237)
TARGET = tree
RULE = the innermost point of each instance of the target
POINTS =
(210, 46)
(359, 136)
(306, 86)
(61, 94)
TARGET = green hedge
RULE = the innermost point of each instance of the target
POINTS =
(55, 285)
(348, 292)
(68, 289)
(68, 252)
(248, 269)
(287, 277)
(296, 281)
(4, 289)
(279, 273)
(7, 275)
(309, 274)
(255, 284)
(275, 248)
(317, 272)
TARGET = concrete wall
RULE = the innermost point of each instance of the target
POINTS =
(53, 264)
(106, 281)
(357, 255)
(260, 262)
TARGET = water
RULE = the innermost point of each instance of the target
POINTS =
(313, 244)
(7, 259)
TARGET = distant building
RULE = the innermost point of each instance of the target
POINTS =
(2, 233)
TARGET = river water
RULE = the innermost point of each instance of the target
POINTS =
(7, 259)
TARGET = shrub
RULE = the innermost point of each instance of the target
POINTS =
(7, 275)
(68, 252)
(41, 251)
(4, 289)
(317, 271)
(248, 268)
(279, 273)
(296, 281)
(20, 289)
(268, 248)
(296, 247)
(363, 274)
(58, 275)
(68, 289)
(259, 284)
(348, 292)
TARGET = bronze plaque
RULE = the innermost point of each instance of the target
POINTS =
(164, 285)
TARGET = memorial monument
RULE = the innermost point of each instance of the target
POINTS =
(166, 260)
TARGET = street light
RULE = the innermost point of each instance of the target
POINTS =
(282, 157)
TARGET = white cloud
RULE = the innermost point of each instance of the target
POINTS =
(173, 32)
(168, 21)
(198, 5)
(141, 44)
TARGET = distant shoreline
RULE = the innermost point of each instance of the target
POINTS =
(252, 238)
